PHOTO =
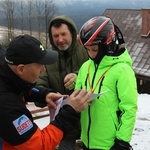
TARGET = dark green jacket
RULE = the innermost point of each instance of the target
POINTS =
(69, 62)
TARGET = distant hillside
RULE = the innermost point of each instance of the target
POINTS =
(81, 11)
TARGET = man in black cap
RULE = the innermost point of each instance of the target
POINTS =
(20, 66)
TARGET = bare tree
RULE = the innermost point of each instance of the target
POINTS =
(22, 16)
(49, 11)
(30, 15)
(39, 15)
(8, 9)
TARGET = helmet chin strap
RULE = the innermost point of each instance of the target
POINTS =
(118, 43)
(112, 47)
(119, 35)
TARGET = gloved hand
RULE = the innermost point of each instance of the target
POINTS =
(121, 145)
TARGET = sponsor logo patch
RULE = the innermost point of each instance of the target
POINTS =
(22, 124)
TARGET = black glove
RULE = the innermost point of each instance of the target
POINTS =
(121, 145)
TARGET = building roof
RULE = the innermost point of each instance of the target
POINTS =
(135, 26)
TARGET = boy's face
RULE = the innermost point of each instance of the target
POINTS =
(92, 50)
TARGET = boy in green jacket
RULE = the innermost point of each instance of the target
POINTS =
(108, 122)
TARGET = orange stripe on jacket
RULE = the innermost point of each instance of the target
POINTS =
(46, 139)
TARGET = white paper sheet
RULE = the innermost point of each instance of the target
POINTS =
(61, 102)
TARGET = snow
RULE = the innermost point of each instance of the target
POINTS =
(141, 134)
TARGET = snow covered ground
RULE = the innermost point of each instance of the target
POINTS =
(141, 135)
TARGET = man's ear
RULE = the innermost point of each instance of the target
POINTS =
(20, 69)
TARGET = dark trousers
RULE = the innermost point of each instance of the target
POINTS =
(69, 142)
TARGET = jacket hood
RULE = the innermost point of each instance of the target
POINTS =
(68, 21)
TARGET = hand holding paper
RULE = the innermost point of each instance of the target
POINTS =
(54, 112)
(61, 102)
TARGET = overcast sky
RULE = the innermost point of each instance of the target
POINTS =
(113, 2)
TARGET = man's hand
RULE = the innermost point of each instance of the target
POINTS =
(79, 99)
(70, 80)
(51, 97)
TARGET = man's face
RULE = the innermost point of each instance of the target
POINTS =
(62, 37)
(30, 72)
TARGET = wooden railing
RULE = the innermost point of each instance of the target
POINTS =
(37, 112)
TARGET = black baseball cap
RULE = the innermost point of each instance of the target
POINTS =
(25, 49)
